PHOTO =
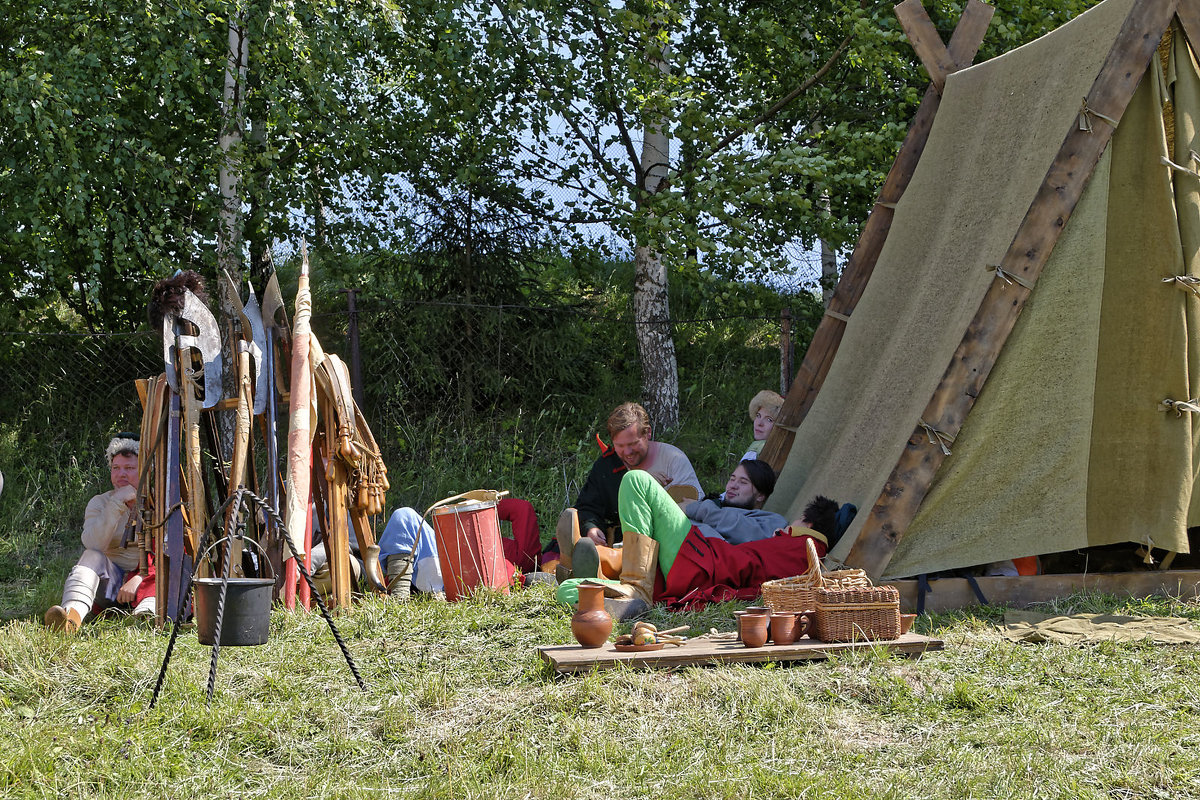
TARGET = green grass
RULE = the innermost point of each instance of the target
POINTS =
(459, 704)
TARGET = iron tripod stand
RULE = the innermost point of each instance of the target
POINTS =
(237, 499)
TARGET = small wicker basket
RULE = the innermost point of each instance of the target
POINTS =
(800, 592)
(858, 613)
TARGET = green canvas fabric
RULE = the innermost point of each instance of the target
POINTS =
(1043, 462)
(1032, 627)
(1018, 472)
(1183, 85)
(1140, 470)
(1068, 445)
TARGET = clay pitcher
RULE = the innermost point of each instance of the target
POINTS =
(753, 628)
(591, 624)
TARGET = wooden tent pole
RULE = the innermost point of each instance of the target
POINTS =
(964, 44)
(1189, 19)
(997, 315)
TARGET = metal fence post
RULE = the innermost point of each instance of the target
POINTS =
(785, 351)
(355, 355)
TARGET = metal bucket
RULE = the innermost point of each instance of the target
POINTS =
(247, 617)
(247, 610)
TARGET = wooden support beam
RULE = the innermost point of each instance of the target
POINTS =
(926, 42)
(1189, 19)
(948, 594)
(964, 44)
(997, 315)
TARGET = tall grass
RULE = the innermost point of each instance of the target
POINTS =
(459, 704)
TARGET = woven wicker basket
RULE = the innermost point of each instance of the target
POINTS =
(800, 593)
(858, 613)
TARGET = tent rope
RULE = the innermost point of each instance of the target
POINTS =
(837, 315)
(1180, 406)
(1010, 277)
(1185, 283)
(941, 438)
(1086, 114)
(1179, 168)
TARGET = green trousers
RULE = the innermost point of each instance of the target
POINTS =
(646, 508)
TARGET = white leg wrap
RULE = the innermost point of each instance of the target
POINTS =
(146, 608)
(79, 592)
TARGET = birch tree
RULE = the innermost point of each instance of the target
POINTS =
(682, 125)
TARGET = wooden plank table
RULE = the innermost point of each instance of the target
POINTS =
(573, 658)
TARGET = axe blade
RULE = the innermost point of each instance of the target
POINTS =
(250, 317)
(206, 341)
(273, 305)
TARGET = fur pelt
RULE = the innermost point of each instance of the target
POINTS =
(167, 295)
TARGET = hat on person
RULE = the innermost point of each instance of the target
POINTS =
(772, 401)
(123, 442)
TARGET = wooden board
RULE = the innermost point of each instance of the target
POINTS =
(997, 315)
(828, 337)
(573, 658)
(948, 594)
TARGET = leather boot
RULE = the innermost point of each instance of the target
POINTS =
(585, 560)
(639, 565)
(567, 534)
(399, 573)
(610, 562)
(623, 609)
(62, 619)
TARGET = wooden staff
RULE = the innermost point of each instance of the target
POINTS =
(300, 424)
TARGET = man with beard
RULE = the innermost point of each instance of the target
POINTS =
(633, 448)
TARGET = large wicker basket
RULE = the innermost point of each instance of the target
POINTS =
(858, 613)
(800, 592)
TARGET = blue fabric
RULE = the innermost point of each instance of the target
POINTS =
(734, 525)
(407, 532)
(845, 516)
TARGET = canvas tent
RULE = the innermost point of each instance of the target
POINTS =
(1014, 377)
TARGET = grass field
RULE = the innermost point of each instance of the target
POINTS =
(459, 705)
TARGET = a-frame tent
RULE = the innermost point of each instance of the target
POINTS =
(1014, 378)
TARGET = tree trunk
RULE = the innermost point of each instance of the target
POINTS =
(651, 309)
(656, 346)
(229, 245)
(829, 272)
(229, 238)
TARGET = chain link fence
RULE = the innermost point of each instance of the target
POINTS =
(491, 394)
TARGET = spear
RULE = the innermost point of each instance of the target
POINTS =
(301, 420)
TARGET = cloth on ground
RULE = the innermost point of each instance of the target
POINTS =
(1029, 626)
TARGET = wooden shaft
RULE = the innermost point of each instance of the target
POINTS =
(925, 41)
(241, 446)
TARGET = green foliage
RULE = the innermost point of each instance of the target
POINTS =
(104, 155)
